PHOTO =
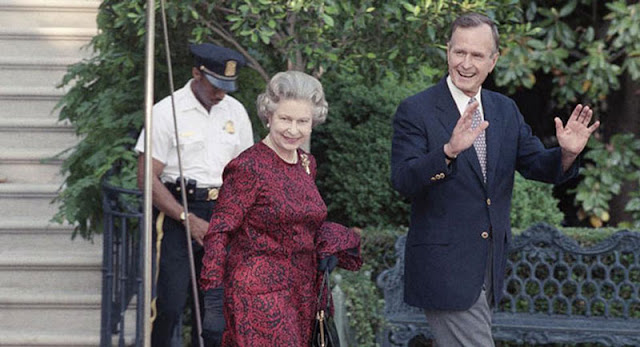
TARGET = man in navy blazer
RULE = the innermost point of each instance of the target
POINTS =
(458, 173)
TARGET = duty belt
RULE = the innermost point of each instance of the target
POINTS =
(194, 194)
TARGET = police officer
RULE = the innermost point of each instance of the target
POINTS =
(213, 128)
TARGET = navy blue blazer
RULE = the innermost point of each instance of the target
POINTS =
(452, 209)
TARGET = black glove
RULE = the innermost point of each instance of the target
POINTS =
(327, 263)
(213, 322)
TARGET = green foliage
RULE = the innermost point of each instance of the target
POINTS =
(533, 202)
(354, 148)
(105, 106)
(368, 37)
(585, 61)
(364, 301)
(609, 167)
(364, 304)
(365, 41)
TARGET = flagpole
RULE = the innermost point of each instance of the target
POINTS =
(148, 166)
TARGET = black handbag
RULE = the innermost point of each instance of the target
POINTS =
(325, 333)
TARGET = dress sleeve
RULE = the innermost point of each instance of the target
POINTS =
(237, 194)
(343, 242)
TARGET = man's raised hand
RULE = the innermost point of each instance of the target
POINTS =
(573, 136)
(463, 135)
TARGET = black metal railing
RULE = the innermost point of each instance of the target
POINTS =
(122, 275)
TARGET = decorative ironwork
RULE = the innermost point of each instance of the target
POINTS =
(122, 276)
(555, 291)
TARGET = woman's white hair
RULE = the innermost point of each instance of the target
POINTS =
(293, 85)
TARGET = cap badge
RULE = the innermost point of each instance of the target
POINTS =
(229, 128)
(230, 68)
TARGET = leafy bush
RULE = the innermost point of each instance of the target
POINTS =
(105, 106)
(609, 166)
(364, 300)
(106, 99)
(533, 202)
(354, 148)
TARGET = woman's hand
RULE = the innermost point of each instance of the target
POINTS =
(213, 322)
(327, 263)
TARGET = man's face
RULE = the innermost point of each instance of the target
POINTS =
(471, 56)
(207, 94)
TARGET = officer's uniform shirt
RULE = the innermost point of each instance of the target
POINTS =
(208, 140)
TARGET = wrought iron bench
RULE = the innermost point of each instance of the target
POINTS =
(556, 292)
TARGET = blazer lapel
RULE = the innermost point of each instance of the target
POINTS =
(492, 135)
(447, 110)
(448, 115)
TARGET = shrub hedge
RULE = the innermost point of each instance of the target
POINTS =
(354, 148)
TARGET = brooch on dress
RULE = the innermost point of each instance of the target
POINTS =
(305, 163)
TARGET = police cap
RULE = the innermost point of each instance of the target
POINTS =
(218, 64)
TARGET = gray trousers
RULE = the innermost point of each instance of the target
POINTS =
(463, 328)
(468, 328)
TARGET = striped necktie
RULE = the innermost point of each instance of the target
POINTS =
(480, 144)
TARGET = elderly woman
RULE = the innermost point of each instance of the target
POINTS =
(268, 230)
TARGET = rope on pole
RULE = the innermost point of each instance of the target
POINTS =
(183, 190)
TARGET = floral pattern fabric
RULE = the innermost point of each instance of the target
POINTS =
(267, 232)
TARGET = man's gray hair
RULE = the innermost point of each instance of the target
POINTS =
(293, 85)
(472, 20)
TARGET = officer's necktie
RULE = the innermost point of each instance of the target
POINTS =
(480, 144)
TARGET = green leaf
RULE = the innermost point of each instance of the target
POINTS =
(568, 8)
(407, 6)
(632, 205)
(327, 19)
(589, 34)
(536, 44)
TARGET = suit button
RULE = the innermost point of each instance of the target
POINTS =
(489, 202)
(433, 178)
(484, 235)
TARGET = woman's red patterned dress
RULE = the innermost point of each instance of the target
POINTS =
(265, 237)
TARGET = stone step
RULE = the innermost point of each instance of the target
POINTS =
(30, 93)
(22, 235)
(69, 279)
(48, 13)
(28, 105)
(20, 165)
(67, 317)
(35, 133)
(28, 200)
(43, 298)
(80, 338)
(33, 72)
(48, 42)
(36, 317)
(55, 339)
(35, 123)
(71, 271)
